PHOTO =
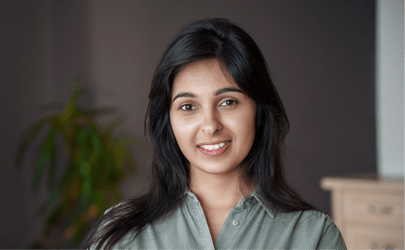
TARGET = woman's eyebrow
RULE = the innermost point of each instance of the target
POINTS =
(218, 92)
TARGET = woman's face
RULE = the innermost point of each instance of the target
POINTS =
(199, 116)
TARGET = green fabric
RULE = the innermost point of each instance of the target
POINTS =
(250, 225)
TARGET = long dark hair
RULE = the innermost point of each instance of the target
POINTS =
(239, 55)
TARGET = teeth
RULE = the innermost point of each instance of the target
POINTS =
(214, 147)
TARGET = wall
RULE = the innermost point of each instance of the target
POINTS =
(26, 83)
(390, 88)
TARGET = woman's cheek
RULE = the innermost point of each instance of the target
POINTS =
(183, 126)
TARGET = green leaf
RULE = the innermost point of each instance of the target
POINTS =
(109, 156)
(116, 160)
(75, 241)
(68, 110)
(73, 217)
(51, 199)
(30, 135)
(81, 137)
(81, 143)
(84, 168)
(57, 191)
(96, 145)
(99, 200)
(52, 167)
(124, 141)
(43, 157)
(55, 217)
(101, 173)
(119, 149)
(85, 195)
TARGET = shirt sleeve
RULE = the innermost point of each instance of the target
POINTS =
(331, 236)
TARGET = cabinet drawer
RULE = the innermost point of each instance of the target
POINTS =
(360, 237)
(378, 209)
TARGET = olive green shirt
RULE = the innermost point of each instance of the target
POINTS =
(249, 225)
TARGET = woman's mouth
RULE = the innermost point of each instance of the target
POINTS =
(214, 150)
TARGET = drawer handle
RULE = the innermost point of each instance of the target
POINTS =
(375, 245)
(382, 210)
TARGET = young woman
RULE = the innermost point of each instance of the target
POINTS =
(216, 126)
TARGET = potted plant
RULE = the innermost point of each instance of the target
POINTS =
(97, 164)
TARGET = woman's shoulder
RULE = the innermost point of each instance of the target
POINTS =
(314, 215)
(303, 229)
(306, 219)
(324, 226)
(303, 215)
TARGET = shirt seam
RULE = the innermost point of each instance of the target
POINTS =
(200, 228)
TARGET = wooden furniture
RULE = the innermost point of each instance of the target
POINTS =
(368, 209)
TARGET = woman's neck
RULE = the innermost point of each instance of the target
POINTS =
(219, 191)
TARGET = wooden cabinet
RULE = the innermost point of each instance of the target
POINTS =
(368, 209)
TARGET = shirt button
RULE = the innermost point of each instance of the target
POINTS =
(235, 222)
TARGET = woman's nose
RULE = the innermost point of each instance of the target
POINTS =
(211, 123)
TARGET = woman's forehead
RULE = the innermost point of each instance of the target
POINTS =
(202, 75)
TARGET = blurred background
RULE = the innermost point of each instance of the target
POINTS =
(338, 66)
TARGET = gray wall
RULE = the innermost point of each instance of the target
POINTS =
(320, 55)
(390, 88)
(26, 51)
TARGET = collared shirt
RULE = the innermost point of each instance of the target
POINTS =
(249, 225)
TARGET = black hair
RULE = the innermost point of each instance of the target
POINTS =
(238, 54)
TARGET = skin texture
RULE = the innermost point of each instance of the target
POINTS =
(214, 180)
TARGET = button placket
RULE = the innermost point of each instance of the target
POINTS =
(195, 207)
(231, 228)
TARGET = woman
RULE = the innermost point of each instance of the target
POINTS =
(212, 87)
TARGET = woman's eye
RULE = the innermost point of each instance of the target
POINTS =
(230, 102)
(186, 107)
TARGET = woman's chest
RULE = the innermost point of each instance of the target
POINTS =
(215, 220)
(193, 228)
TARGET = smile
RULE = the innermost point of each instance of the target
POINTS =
(214, 147)
(214, 150)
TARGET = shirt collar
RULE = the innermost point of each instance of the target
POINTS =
(249, 200)
(270, 210)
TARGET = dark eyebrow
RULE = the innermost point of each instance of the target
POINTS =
(216, 93)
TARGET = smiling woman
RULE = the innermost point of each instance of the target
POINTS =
(216, 126)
